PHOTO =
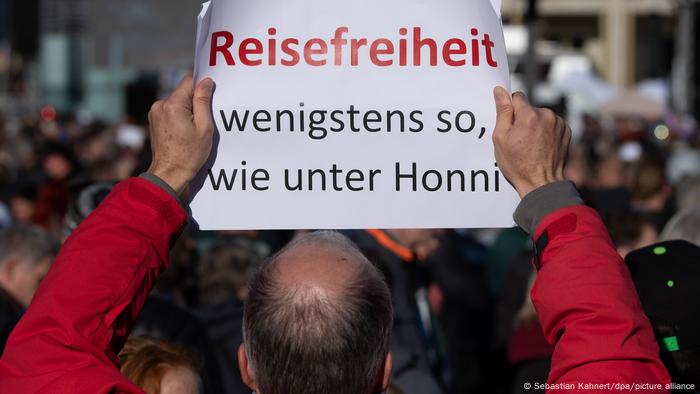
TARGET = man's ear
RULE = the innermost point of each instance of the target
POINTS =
(388, 366)
(246, 371)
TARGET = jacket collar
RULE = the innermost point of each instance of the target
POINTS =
(391, 245)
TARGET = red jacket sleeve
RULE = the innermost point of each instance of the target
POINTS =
(69, 338)
(590, 311)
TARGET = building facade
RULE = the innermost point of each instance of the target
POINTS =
(102, 56)
(617, 34)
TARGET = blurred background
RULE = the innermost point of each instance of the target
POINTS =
(77, 78)
(104, 59)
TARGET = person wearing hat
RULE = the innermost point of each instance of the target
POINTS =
(666, 276)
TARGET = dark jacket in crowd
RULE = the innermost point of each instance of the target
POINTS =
(458, 268)
(163, 320)
(413, 344)
(10, 312)
(224, 325)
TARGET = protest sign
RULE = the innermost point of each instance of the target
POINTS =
(352, 114)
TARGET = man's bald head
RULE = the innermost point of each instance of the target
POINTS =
(318, 319)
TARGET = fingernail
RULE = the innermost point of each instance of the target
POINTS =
(208, 85)
(499, 94)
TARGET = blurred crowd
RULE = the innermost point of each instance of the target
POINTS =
(463, 319)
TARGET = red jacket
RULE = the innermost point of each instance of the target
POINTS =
(589, 309)
(68, 340)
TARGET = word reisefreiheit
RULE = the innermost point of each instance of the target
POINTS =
(408, 49)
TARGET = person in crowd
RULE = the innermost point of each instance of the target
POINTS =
(400, 255)
(225, 270)
(528, 350)
(59, 163)
(95, 146)
(683, 165)
(5, 217)
(607, 191)
(688, 193)
(685, 225)
(22, 204)
(26, 253)
(651, 193)
(88, 195)
(318, 319)
(80, 318)
(666, 277)
(578, 169)
(7, 172)
(224, 275)
(160, 368)
(514, 256)
(459, 279)
(630, 230)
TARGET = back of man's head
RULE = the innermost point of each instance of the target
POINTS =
(25, 255)
(318, 320)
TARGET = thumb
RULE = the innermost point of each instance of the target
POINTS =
(201, 105)
(504, 110)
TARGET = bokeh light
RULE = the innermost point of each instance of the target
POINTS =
(662, 132)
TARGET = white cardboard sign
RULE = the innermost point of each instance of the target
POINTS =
(352, 114)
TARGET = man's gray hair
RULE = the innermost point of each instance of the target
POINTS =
(684, 225)
(301, 342)
(688, 191)
(28, 244)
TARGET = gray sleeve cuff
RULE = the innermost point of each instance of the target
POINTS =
(160, 183)
(543, 201)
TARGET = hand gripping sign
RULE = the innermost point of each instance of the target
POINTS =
(352, 114)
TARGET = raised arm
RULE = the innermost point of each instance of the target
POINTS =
(69, 338)
(584, 296)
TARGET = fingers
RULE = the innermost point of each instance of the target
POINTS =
(562, 131)
(566, 141)
(201, 103)
(504, 113)
(525, 114)
(155, 111)
(154, 114)
(520, 103)
(182, 96)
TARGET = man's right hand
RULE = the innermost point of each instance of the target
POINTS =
(531, 144)
(182, 131)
